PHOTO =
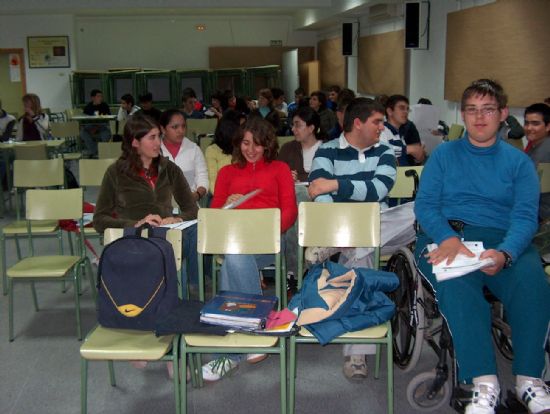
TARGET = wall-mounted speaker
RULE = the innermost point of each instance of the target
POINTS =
(347, 39)
(417, 24)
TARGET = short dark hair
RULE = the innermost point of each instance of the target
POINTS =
(277, 93)
(94, 92)
(127, 98)
(188, 93)
(392, 101)
(167, 115)
(539, 108)
(321, 97)
(485, 87)
(146, 97)
(344, 98)
(299, 91)
(361, 108)
(334, 88)
(424, 101)
(264, 134)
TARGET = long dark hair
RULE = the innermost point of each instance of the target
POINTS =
(227, 129)
(310, 117)
(137, 126)
(263, 134)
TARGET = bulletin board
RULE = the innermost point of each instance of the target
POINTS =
(332, 63)
(381, 66)
(506, 41)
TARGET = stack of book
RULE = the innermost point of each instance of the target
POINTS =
(462, 264)
(236, 310)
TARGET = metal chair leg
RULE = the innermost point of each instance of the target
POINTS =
(10, 308)
(77, 302)
(83, 386)
(34, 297)
(112, 379)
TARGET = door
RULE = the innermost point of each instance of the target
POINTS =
(12, 80)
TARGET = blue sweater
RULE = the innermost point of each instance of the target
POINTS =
(495, 187)
(366, 175)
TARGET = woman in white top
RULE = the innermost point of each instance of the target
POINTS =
(127, 107)
(184, 153)
(299, 154)
(34, 125)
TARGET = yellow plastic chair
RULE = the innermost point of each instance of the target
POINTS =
(282, 140)
(107, 344)
(31, 150)
(198, 127)
(31, 174)
(109, 149)
(543, 169)
(341, 225)
(455, 132)
(236, 232)
(51, 205)
(404, 186)
(205, 142)
(70, 132)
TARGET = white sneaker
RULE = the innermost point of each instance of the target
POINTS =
(535, 395)
(218, 368)
(315, 255)
(484, 399)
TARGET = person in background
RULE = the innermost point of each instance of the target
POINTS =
(7, 123)
(34, 125)
(344, 98)
(254, 167)
(219, 153)
(318, 101)
(299, 94)
(510, 128)
(147, 108)
(333, 94)
(95, 131)
(279, 101)
(183, 152)
(216, 108)
(189, 102)
(266, 110)
(127, 107)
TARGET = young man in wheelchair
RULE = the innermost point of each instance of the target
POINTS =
(479, 188)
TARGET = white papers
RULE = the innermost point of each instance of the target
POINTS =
(462, 264)
(181, 225)
(242, 199)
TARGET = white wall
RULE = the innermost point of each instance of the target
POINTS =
(51, 85)
(167, 42)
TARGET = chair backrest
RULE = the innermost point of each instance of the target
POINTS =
(68, 129)
(239, 231)
(205, 142)
(174, 236)
(72, 112)
(31, 151)
(91, 172)
(404, 186)
(543, 169)
(38, 173)
(518, 143)
(196, 127)
(54, 204)
(339, 224)
(282, 140)
(455, 132)
(109, 149)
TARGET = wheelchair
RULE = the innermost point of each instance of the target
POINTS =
(417, 320)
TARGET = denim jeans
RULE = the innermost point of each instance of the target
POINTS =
(91, 134)
(190, 264)
(241, 272)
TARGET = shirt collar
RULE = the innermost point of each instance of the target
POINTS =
(344, 143)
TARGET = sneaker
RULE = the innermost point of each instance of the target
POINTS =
(355, 368)
(315, 255)
(535, 395)
(218, 368)
(255, 358)
(484, 399)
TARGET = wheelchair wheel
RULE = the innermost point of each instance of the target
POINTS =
(408, 321)
(501, 331)
(418, 392)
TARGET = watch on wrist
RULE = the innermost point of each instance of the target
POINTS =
(507, 259)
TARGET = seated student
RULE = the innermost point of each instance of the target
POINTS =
(279, 101)
(183, 152)
(299, 94)
(127, 107)
(401, 133)
(34, 125)
(298, 154)
(95, 132)
(254, 167)
(7, 123)
(147, 108)
(216, 108)
(478, 188)
(266, 109)
(537, 132)
(189, 105)
(230, 101)
(318, 101)
(344, 98)
(219, 153)
(333, 95)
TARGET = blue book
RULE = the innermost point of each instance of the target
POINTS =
(238, 310)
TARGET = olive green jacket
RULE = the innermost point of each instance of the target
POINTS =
(124, 200)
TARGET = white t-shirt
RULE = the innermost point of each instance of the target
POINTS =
(308, 155)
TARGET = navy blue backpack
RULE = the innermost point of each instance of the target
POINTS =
(136, 280)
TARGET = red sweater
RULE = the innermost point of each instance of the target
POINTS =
(275, 180)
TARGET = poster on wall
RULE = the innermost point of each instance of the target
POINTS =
(48, 51)
(15, 67)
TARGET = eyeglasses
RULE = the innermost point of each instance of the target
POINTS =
(299, 124)
(486, 111)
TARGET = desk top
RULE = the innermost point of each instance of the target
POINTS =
(93, 117)
(52, 143)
